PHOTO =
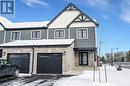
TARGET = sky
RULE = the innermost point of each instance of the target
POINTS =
(113, 17)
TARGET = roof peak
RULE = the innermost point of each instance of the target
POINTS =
(69, 7)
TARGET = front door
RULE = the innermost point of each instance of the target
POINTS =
(83, 58)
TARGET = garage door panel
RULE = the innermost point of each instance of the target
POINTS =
(50, 63)
(21, 59)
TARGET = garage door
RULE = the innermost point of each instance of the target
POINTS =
(49, 63)
(21, 59)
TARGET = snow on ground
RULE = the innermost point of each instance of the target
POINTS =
(114, 77)
(24, 75)
(22, 82)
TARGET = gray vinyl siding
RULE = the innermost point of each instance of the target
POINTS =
(83, 43)
(79, 43)
(8, 36)
(52, 30)
(1, 37)
(44, 34)
(25, 34)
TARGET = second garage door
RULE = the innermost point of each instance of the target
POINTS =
(49, 63)
(21, 59)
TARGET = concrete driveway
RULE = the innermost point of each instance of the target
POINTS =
(34, 80)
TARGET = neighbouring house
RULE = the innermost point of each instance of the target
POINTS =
(50, 47)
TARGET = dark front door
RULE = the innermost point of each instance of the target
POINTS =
(83, 58)
(49, 63)
(21, 59)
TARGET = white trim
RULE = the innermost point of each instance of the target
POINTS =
(59, 29)
(81, 29)
(95, 36)
(4, 36)
(19, 35)
(69, 33)
(47, 33)
(34, 31)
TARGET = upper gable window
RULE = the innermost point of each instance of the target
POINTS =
(59, 34)
(82, 33)
(15, 35)
(36, 34)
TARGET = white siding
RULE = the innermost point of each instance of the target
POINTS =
(64, 19)
(82, 24)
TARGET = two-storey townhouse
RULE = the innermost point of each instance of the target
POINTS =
(66, 42)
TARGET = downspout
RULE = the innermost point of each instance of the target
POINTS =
(32, 59)
(4, 36)
(47, 33)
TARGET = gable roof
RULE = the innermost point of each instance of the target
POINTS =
(69, 5)
(10, 25)
(67, 19)
(44, 42)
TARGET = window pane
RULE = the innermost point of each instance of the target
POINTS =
(62, 33)
(82, 33)
(59, 33)
(33, 35)
(84, 58)
(79, 34)
(36, 34)
(15, 35)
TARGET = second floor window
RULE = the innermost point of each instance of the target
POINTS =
(36, 35)
(82, 33)
(15, 36)
(59, 33)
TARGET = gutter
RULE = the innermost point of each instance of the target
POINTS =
(4, 36)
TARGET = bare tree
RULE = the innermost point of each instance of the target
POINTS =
(108, 57)
(128, 56)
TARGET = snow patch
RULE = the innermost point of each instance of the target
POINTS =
(24, 75)
(114, 78)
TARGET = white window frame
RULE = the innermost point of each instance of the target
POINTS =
(59, 37)
(14, 32)
(34, 31)
(78, 33)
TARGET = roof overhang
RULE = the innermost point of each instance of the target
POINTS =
(38, 43)
(86, 49)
